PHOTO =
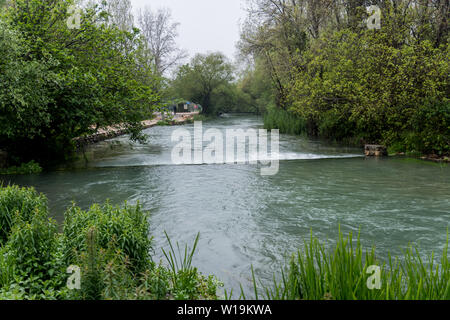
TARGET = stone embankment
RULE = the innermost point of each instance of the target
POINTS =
(113, 132)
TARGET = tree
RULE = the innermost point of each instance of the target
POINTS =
(199, 80)
(160, 35)
(71, 81)
(120, 14)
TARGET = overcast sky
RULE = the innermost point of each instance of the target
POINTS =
(205, 25)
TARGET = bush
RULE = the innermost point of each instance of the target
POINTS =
(185, 280)
(111, 245)
(33, 248)
(29, 257)
(19, 204)
(430, 129)
(7, 268)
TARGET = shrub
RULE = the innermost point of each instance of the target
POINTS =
(7, 268)
(19, 204)
(111, 245)
(362, 85)
(25, 168)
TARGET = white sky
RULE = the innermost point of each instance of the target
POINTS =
(205, 25)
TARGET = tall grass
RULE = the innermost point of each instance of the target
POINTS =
(18, 205)
(285, 121)
(316, 273)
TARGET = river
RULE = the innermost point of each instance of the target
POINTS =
(247, 219)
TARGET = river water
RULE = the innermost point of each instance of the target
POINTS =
(246, 219)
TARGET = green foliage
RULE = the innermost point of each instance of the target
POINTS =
(428, 130)
(28, 257)
(359, 86)
(19, 205)
(111, 245)
(200, 117)
(28, 246)
(25, 168)
(283, 120)
(317, 273)
(57, 83)
(187, 283)
(165, 123)
(33, 248)
(255, 89)
(386, 86)
(124, 230)
(203, 80)
(7, 268)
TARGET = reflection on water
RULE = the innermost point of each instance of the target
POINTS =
(246, 219)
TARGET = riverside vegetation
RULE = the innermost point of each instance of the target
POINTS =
(112, 246)
(309, 66)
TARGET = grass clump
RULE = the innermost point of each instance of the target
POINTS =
(28, 246)
(124, 228)
(31, 167)
(344, 273)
